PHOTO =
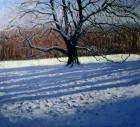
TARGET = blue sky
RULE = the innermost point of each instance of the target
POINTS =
(8, 3)
(4, 3)
(7, 11)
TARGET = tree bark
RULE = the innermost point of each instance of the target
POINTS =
(72, 55)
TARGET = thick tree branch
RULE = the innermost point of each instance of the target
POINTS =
(56, 48)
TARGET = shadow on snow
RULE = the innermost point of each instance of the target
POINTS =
(42, 82)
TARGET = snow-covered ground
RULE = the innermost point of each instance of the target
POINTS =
(46, 93)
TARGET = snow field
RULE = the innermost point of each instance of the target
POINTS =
(97, 94)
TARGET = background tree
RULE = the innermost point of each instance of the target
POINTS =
(71, 19)
(3, 44)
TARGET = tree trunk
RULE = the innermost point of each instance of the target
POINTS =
(72, 55)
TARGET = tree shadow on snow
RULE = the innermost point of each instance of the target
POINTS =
(43, 82)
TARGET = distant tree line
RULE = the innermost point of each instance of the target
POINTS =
(126, 40)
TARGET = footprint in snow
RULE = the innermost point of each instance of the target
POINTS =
(86, 102)
(96, 113)
(81, 98)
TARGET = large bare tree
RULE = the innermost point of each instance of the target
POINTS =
(73, 18)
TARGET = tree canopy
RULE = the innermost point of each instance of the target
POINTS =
(71, 19)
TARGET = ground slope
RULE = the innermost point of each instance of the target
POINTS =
(90, 95)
